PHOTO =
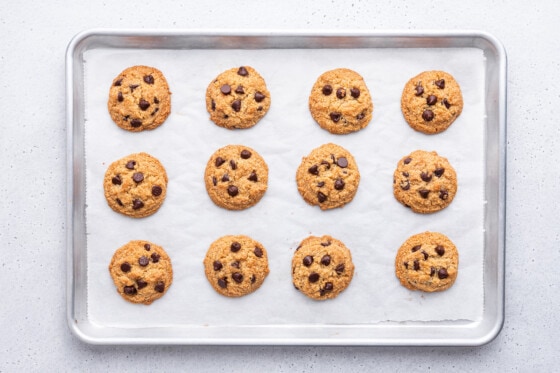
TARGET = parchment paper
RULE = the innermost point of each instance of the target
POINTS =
(373, 226)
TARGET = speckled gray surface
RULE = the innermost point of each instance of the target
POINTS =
(34, 37)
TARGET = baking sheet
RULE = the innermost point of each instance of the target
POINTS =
(373, 226)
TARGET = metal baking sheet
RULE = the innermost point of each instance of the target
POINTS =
(275, 332)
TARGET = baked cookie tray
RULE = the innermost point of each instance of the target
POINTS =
(191, 313)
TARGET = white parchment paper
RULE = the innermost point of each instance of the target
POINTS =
(373, 226)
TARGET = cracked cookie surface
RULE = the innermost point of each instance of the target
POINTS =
(428, 262)
(139, 99)
(142, 271)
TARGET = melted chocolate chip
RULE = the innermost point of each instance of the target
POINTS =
(321, 184)
(138, 177)
(235, 247)
(419, 90)
(225, 89)
(416, 248)
(428, 115)
(143, 104)
(339, 269)
(130, 165)
(431, 100)
(424, 193)
(236, 105)
(259, 97)
(427, 177)
(342, 162)
(155, 257)
(154, 112)
(237, 277)
(133, 87)
(120, 97)
(118, 83)
(440, 83)
(149, 79)
(416, 265)
(258, 252)
(129, 290)
(143, 261)
(321, 197)
(116, 180)
(440, 250)
(314, 277)
(355, 92)
(339, 184)
(425, 255)
(156, 101)
(219, 161)
(439, 171)
(405, 185)
(242, 71)
(405, 264)
(222, 282)
(125, 267)
(217, 265)
(239, 90)
(442, 273)
(326, 260)
(327, 90)
(136, 123)
(156, 191)
(443, 194)
(253, 177)
(137, 204)
(141, 284)
(235, 264)
(335, 116)
(308, 260)
(341, 93)
(245, 154)
(160, 287)
(326, 164)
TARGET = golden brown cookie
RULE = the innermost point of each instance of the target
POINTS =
(340, 101)
(425, 182)
(322, 267)
(237, 98)
(431, 101)
(328, 177)
(139, 99)
(236, 177)
(142, 271)
(135, 185)
(428, 262)
(236, 265)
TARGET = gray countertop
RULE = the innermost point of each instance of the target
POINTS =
(34, 38)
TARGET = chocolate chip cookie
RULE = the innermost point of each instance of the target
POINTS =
(236, 265)
(135, 185)
(139, 99)
(340, 101)
(236, 177)
(431, 101)
(237, 98)
(328, 177)
(425, 182)
(141, 271)
(428, 262)
(322, 267)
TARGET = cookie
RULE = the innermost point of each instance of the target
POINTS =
(340, 101)
(322, 267)
(237, 98)
(431, 101)
(135, 185)
(428, 262)
(425, 182)
(236, 265)
(236, 177)
(328, 177)
(139, 99)
(141, 271)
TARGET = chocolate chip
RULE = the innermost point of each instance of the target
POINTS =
(253, 177)
(432, 271)
(325, 244)
(442, 273)
(258, 252)
(225, 178)
(407, 160)
(143, 261)
(339, 184)
(405, 185)
(125, 267)
(405, 174)
(439, 171)
(214, 180)
(217, 265)
(314, 277)
(327, 90)
(235, 247)
(425, 255)
(156, 101)
(314, 170)
(440, 83)
(242, 71)
(129, 290)
(219, 161)
(147, 247)
(233, 164)
(136, 123)
(120, 97)
(141, 284)
(355, 92)
(133, 87)
(341, 93)
(160, 287)
(259, 108)
(138, 177)
(321, 197)
(130, 165)
(328, 286)
(154, 112)
(259, 97)
(424, 193)
(239, 90)
(143, 104)
(428, 115)
(226, 89)
(236, 105)
(245, 154)
(126, 118)
(119, 202)
(446, 103)
(213, 105)
(419, 90)
(155, 257)
(253, 279)
(149, 79)
(335, 116)
(326, 260)
(339, 268)
(431, 100)
(405, 265)
(427, 177)
(118, 83)
(237, 277)
(416, 248)
(137, 204)
(321, 184)
(156, 191)
(308, 260)
(361, 116)
(222, 283)
(116, 180)
(443, 194)
(342, 162)
(235, 264)
(440, 250)
(416, 265)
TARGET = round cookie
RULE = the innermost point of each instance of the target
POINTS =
(340, 101)
(141, 271)
(425, 182)
(139, 99)
(236, 177)
(428, 262)
(328, 177)
(135, 185)
(236, 265)
(237, 98)
(322, 267)
(431, 101)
